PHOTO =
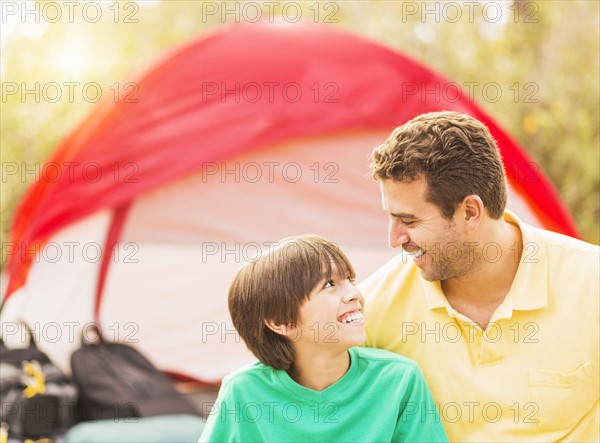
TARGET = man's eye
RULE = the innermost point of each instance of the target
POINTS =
(329, 284)
(408, 224)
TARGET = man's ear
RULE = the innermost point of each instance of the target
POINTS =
(473, 210)
(279, 329)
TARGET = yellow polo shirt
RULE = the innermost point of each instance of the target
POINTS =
(532, 375)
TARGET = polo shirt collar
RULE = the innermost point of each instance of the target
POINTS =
(434, 295)
(529, 288)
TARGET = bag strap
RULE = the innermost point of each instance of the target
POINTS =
(91, 335)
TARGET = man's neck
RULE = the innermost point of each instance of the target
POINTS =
(478, 294)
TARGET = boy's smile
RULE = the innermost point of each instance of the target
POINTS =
(332, 316)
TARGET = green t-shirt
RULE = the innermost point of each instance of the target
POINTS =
(382, 398)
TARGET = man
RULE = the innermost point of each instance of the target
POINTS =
(502, 317)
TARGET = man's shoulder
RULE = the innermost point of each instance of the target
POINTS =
(564, 253)
(554, 239)
(565, 243)
(390, 272)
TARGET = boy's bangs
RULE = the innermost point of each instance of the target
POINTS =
(311, 260)
(330, 256)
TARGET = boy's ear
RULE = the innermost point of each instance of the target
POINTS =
(279, 329)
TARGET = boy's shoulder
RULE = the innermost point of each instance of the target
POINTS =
(380, 357)
(387, 371)
(251, 372)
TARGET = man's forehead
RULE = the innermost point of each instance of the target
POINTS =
(407, 201)
(403, 198)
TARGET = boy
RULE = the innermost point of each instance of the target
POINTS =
(298, 311)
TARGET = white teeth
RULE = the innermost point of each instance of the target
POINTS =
(419, 253)
(352, 317)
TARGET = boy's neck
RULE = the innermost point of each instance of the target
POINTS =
(318, 371)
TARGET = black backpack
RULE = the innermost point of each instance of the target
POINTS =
(116, 381)
(38, 399)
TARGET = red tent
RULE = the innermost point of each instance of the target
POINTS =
(238, 138)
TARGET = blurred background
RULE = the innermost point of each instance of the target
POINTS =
(532, 66)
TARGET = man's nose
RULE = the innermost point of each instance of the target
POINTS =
(398, 234)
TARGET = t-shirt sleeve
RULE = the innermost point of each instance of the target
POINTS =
(221, 426)
(418, 419)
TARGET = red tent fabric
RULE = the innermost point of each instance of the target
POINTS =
(241, 88)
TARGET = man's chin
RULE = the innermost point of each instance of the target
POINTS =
(426, 275)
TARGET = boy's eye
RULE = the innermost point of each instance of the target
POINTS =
(331, 283)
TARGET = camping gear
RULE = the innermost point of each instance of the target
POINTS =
(37, 399)
(116, 381)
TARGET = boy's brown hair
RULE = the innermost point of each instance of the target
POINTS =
(273, 287)
(455, 153)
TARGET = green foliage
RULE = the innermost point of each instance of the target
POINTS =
(543, 57)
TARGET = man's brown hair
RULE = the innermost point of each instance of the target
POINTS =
(455, 153)
(274, 287)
